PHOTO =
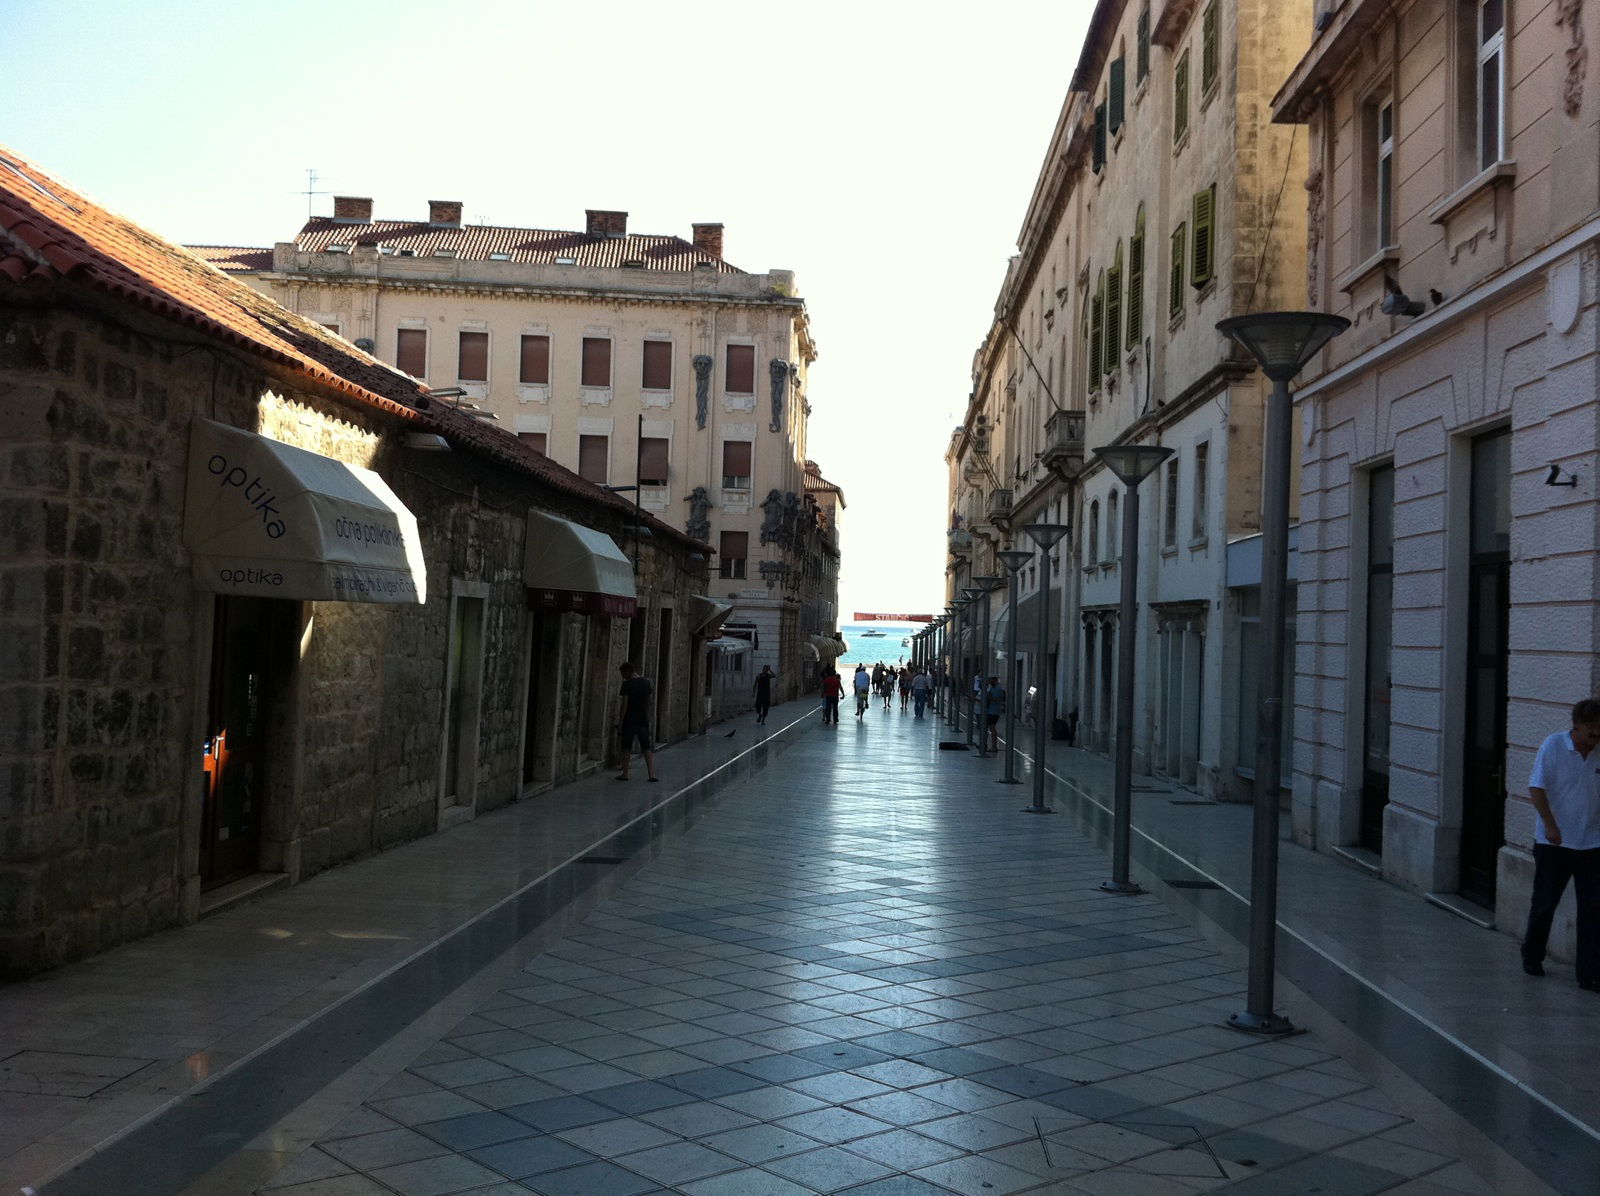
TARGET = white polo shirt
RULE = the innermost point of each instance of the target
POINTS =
(1571, 785)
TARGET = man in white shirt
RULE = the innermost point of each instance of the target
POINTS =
(1565, 790)
(863, 688)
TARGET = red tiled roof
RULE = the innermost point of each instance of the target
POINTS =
(475, 242)
(49, 231)
(234, 257)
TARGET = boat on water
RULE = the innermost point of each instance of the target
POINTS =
(873, 635)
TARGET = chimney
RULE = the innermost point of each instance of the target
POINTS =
(444, 213)
(708, 239)
(606, 224)
(352, 209)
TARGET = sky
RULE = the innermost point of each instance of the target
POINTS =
(883, 150)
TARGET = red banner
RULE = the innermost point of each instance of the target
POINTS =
(870, 617)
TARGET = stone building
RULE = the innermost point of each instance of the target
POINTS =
(265, 605)
(633, 359)
(1449, 534)
(1155, 214)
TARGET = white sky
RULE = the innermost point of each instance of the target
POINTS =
(884, 151)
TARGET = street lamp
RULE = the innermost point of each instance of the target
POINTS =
(1132, 463)
(1281, 342)
(1046, 536)
(947, 664)
(972, 593)
(953, 670)
(1013, 559)
(988, 583)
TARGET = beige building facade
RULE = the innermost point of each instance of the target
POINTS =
(1449, 526)
(634, 360)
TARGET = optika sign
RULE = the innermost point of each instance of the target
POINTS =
(253, 489)
(250, 577)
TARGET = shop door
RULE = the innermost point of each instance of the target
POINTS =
(1483, 799)
(235, 748)
(1380, 638)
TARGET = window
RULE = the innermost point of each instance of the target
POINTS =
(1180, 98)
(1116, 95)
(741, 373)
(1169, 522)
(1113, 528)
(1384, 175)
(1114, 312)
(1099, 136)
(596, 361)
(472, 357)
(1202, 490)
(1205, 214)
(657, 365)
(499, 257)
(594, 458)
(736, 464)
(1208, 49)
(411, 351)
(732, 550)
(1094, 532)
(1097, 332)
(535, 369)
(653, 461)
(537, 441)
(1175, 279)
(1136, 281)
(1141, 67)
(1491, 81)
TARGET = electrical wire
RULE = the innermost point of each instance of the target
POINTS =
(1272, 220)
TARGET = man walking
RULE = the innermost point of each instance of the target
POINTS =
(763, 692)
(1565, 790)
(920, 685)
(832, 691)
(994, 705)
(634, 726)
(863, 688)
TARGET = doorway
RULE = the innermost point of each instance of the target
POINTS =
(663, 673)
(1380, 638)
(236, 747)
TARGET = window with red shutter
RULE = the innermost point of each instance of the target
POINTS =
(596, 361)
(732, 551)
(411, 351)
(594, 458)
(534, 440)
(472, 362)
(535, 361)
(741, 373)
(653, 461)
(658, 365)
(736, 465)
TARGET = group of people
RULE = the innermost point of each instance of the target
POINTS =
(913, 685)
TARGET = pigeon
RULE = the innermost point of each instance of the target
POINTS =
(731, 733)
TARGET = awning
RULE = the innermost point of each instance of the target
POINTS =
(706, 615)
(270, 520)
(826, 647)
(571, 567)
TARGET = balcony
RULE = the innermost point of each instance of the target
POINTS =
(960, 541)
(999, 505)
(1063, 444)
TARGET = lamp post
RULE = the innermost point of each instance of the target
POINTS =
(953, 649)
(972, 593)
(1132, 463)
(1281, 342)
(988, 584)
(1013, 559)
(1046, 536)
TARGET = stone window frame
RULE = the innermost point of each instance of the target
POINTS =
(465, 804)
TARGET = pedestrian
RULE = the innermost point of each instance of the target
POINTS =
(1565, 790)
(764, 692)
(634, 726)
(994, 705)
(920, 685)
(863, 688)
(832, 691)
(905, 687)
(888, 687)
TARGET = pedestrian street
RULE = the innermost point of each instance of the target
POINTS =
(864, 969)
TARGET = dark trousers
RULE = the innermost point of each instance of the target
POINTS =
(919, 700)
(762, 706)
(1553, 867)
(830, 710)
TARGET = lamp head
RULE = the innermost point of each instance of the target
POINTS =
(1014, 558)
(1046, 535)
(1132, 463)
(1283, 341)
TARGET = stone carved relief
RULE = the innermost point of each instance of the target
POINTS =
(779, 369)
(772, 525)
(702, 388)
(698, 525)
(1313, 235)
(1570, 13)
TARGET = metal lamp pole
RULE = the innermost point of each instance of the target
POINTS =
(1281, 343)
(957, 622)
(1132, 463)
(988, 584)
(1046, 536)
(1013, 559)
(973, 593)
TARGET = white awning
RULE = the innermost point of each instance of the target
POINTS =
(826, 647)
(572, 567)
(706, 614)
(270, 520)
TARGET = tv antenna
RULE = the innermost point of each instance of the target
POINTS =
(311, 191)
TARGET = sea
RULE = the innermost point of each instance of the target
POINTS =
(892, 647)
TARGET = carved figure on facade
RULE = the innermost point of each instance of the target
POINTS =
(1313, 234)
(772, 525)
(791, 518)
(702, 388)
(779, 369)
(698, 526)
(1570, 13)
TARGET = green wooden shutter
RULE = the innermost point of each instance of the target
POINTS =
(1205, 215)
(1097, 333)
(1099, 136)
(1119, 73)
(1141, 65)
(1175, 279)
(1136, 285)
(1208, 47)
(1180, 99)
(1114, 313)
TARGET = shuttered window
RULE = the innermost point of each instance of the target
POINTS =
(535, 361)
(732, 549)
(736, 464)
(1175, 279)
(594, 458)
(1097, 332)
(1099, 136)
(658, 365)
(1116, 95)
(1114, 312)
(653, 461)
(1136, 281)
(741, 372)
(596, 361)
(534, 440)
(411, 351)
(472, 357)
(1205, 214)
(1141, 66)
(1180, 98)
(1209, 53)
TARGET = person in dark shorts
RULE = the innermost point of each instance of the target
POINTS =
(634, 726)
(994, 705)
(764, 692)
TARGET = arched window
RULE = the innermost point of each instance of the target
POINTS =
(1113, 529)
(1094, 532)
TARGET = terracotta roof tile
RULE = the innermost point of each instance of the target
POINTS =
(234, 257)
